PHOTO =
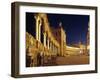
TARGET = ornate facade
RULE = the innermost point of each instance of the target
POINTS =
(47, 41)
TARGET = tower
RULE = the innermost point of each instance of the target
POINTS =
(88, 40)
(62, 39)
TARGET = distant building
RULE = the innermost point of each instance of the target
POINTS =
(88, 40)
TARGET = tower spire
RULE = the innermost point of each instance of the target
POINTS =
(60, 24)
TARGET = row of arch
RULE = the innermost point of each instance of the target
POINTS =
(44, 34)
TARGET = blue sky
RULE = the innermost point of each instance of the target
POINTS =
(75, 26)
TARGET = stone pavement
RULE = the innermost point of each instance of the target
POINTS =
(68, 60)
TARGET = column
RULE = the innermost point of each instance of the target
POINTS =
(53, 47)
(55, 50)
(39, 30)
(44, 39)
(36, 28)
(48, 43)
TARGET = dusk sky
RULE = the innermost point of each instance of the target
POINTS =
(75, 26)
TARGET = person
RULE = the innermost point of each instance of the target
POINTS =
(28, 61)
(28, 58)
(42, 59)
(38, 59)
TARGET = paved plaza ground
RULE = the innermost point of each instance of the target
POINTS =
(68, 60)
(71, 60)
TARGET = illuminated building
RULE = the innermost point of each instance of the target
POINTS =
(47, 41)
